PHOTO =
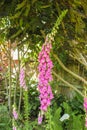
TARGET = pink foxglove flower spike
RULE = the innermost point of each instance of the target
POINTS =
(22, 79)
(45, 76)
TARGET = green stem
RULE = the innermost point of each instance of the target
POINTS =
(49, 119)
(20, 97)
(26, 109)
(15, 91)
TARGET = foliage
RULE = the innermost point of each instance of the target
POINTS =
(5, 120)
(4, 25)
(26, 110)
(76, 116)
(49, 122)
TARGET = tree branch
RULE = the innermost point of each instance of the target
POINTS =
(68, 84)
(69, 71)
(79, 57)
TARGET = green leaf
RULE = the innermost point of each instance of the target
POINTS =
(16, 15)
(57, 113)
(2, 124)
(27, 10)
(19, 6)
(66, 108)
(15, 35)
(33, 1)
(57, 122)
(21, 22)
(45, 6)
(77, 122)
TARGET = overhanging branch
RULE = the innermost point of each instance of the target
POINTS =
(69, 71)
(68, 84)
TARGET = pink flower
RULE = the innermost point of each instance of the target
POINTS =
(22, 79)
(45, 76)
(48, 102)
(14, 128)
(15, 114)
(43, 107)
(40, 118)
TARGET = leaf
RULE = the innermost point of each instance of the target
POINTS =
(15, 35)
(77, 2)
(27, 10)
(57, 113)
(80, 25)
(21, 22)
(16, 15)
(66, 108)
(2, 124)
(19, 6)
(57, 123)
(77, 122)
(84, 5)
(45, 6)
(33, 1)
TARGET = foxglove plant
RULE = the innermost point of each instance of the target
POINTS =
(15, 117)
(15, 114)
(85, 108)
(22, 79)
(45, 67)
(45, 76)
(25, 94)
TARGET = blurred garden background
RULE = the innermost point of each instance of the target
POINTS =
(26, 27)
